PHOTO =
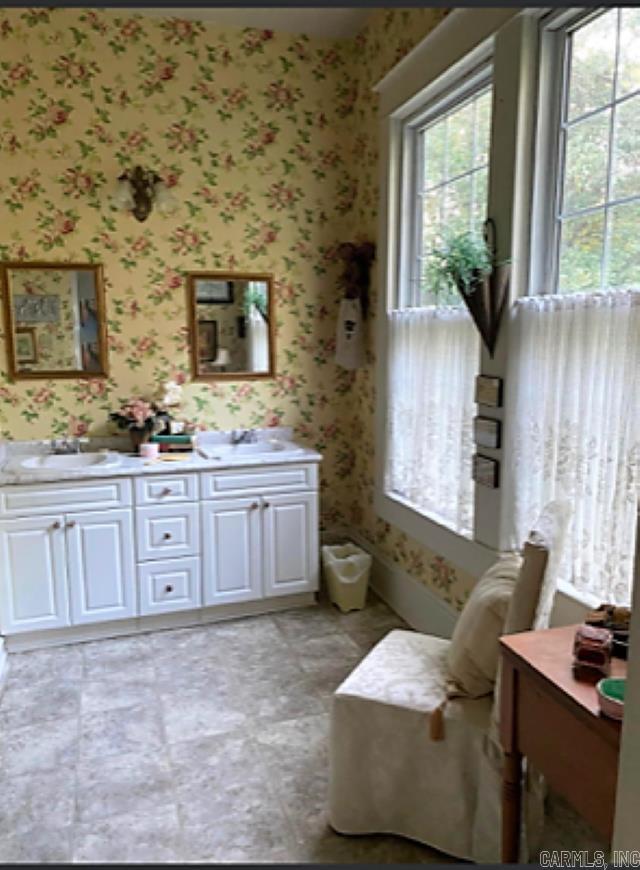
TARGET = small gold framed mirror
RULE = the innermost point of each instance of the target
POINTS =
(231, 325)
(55, 321)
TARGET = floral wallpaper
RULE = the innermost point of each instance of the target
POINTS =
(269, 143)
(389, 35)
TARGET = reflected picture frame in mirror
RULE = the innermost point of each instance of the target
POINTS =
(220, 291)
(26, 314)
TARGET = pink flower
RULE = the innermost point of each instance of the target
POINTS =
(165, 70)
(272, 418)
(57, 114)
(77, 427)
(172, 279)
(140, 245)
(64, 224)
(130, 29)
(144, 345)
(43, 396)
(19, 72)
(136, 139)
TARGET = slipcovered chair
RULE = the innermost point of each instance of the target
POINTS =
(414, 747)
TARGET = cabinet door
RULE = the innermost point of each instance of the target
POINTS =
(33, 586)
(290, 529)
(231, 550)
(100, 565)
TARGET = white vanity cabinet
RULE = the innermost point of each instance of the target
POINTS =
(78, 553)
(260, 533)
(33, 592)
(66, 569)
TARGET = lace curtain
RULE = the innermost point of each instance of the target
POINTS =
(573, 431)
(433, 360)
(257, 342)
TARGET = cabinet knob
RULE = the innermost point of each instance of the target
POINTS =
(70, 524)
(255, 506)
(166, 536)
(265, 504)
(168, 588)
(166, 491)
(56, 525)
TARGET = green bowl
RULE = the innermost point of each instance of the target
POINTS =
(611, 692)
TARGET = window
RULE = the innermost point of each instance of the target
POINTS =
(433, 348)
(598, 198)
(446, 190)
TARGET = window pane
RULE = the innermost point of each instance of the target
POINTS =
(586, 161)
(435, 148)
(457, 205)
(432, 217)
(483, 128)
(460, 141)
(581, 245)
(626, 152)
(479, 182)
(624, 251)
(592, 62)
(629, 61)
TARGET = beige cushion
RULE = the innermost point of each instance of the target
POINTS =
(473, 654)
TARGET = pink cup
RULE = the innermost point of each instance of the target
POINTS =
(149, 450)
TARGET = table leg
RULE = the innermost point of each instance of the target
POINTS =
(511, 803)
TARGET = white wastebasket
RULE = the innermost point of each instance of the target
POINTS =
(346, 572)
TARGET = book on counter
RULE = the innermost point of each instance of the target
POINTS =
(173, 443)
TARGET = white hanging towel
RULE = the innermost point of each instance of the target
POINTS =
(350, 338)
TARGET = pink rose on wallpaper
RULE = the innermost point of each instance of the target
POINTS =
(268, 234)
(165, 69)
(170, 178)
(280, 96)
(302, 153)
(9, 142)
(236, 98)
(19, 72)
(43, 396)
(101, 133)
(228, 161)
(185, 240)
(64, 224)
(77, 428)
(301, 50)
(180, 137)
(130, 29)
(107, 241)
(71, 71)
(209, 196)
(136, 140)
(5, 28)
(7, 396)
(206, 91)
(266, 134)
(238, 200)
(140, 245)
(145, 344)
(77, 182)
(179, 30)
(172, 279)
(57, 114)
(243, 391)
(272, 418)
(280, 196)
(254, 40)
(28, 186)
(94, 21)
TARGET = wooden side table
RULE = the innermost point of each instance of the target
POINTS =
(554, 720)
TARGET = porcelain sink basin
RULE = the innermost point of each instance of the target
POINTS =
(70, 461)
(257, 448)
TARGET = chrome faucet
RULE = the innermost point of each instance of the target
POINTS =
(243, 436)
(65, 445)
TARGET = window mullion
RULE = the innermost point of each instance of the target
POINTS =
(606, 242)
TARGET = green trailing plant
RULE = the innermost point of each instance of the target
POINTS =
(458, 263)
(254, 298)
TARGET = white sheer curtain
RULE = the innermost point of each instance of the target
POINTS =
(433, 360)
(258, 342)
(573, 430)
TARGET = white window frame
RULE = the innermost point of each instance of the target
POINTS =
(396, 154)
(550, 146)
(467, 85)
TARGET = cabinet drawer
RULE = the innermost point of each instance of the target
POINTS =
(168, 585)
(34, 499)
(167, 531)
(166, 490)
(250, 481)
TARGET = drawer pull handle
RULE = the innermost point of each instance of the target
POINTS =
(166, 491)
(56, 525)
(168, 588)
(71, 524)
(166, 536)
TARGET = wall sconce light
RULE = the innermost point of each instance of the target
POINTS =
(139, 190)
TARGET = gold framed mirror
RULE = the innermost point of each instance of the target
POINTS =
(231, 325)
(55, 322)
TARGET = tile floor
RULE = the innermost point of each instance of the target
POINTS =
(203, 744)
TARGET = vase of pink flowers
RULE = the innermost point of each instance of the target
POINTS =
(140, 418)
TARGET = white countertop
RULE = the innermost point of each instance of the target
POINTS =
(134, 466)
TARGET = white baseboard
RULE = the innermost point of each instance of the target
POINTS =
(423, 609)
